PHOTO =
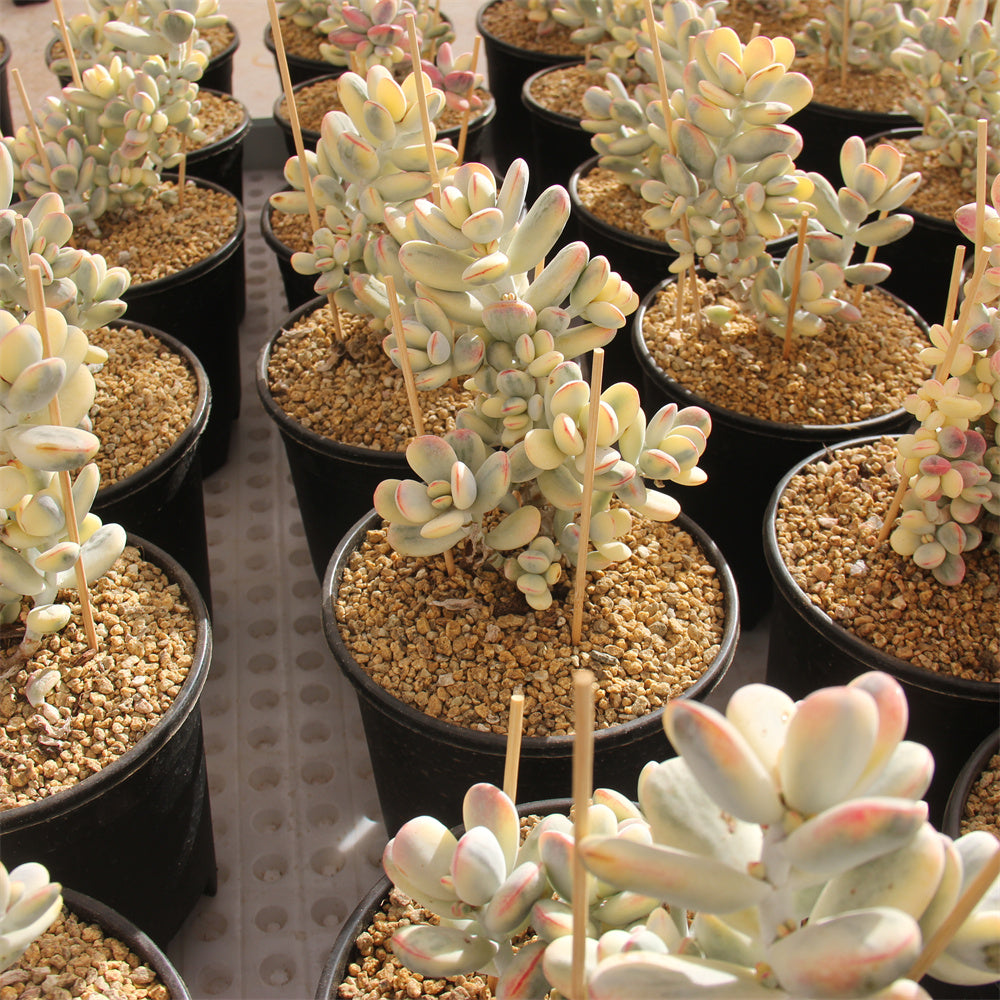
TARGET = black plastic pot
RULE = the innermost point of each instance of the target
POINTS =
(6, 121)
(137, 833)
(298, 287)
(425, 765)
(825, 128)
(808, 650)
(114, 925)
(559, 143)
(475, 142)
(322, 467)
(221, 162)
(745, 458)
(922, 260)
(344, 949)
(954, 810)
(163, 502)
(218, 73)
(300, 69)
(202, 307)
(508, 67)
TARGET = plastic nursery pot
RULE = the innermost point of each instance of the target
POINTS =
(745, 458)
(808, 650)
(425, 765)
(202, 306)
(298, 287)
(344, 949)
(334, 482)
(6, 121)
(559, 143)
(218, 73)
(825, 128)
(922, 260)
(221, 162)
(300, 69)
(163, 502)
(137, 833)
(507, 68)
(972, 769)
(89, 910)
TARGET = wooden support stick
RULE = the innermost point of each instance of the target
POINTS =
(800, 245)
(583, 768)
(300, 149)
(965, 314)
(74, 69)
(515, 725)
(36, 298)
(404, 356)
(982, 145)
(580, 585)
(869, 257)
(938, 941)
(463, 132)
(845, 41)
(425, 119)
(30, 117)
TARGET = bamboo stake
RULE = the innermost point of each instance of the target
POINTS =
(70, 54)
(869, 257)
(982, 143)
(463, 132)
(966, 904)
(32, 124)
(36, 298)
(404, 356)
(583, 767)
(580, 585)
(800, 246)
(844, 42)
(425, 120)
(300, 149)
(181, 175)
(754, 31)
(515, 726)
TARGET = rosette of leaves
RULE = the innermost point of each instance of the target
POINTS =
(29, 904)
(371, 158)
(473, 305)
(92, 44)
(951, 464)
(954, 64)
(305, 13)
(539, 12)
(374, 32)
(795, 835)
(874, 31)
(452, 74)
(488, 887)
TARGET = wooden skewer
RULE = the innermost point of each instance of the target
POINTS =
(580, 585)
(844, 42)
(68, 45)
(966, 904)
(404, 357)
(869, 257)
(463, 132)
(300, 149)
(30, 117)
(800, 246)
(583, 768)
(982, 145)
(181, 175)
(515, 726)
(36, 298)
(425, 119)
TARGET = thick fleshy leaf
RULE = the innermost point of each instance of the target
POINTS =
(671, 977)
(439, 951)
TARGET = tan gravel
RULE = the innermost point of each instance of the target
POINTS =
(509, 22)
(982, 810)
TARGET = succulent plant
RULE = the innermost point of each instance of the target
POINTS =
(784, 853)
(29, 904)
(539, 12)
(374, 32)
(954, 65)
(795, 834)
(452, 74)
(874, 31)
(305, 13)
(951, 463)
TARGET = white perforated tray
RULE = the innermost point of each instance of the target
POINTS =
(298, 831)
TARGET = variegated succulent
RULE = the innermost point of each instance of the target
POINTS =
(510, 478)
(451, 73)
(951, 463)
(784, 853)
(874, 31)
(29, 904)
(953, 62)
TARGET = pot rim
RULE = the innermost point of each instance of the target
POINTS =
(187, 700)
(758, 425)
(553, 117)
(135, 938)
(144, 289)
(303, 435)
(954, 810)
(162, 464)
(845, 640)
(230, 139)
(508, 49)
(460, 736)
